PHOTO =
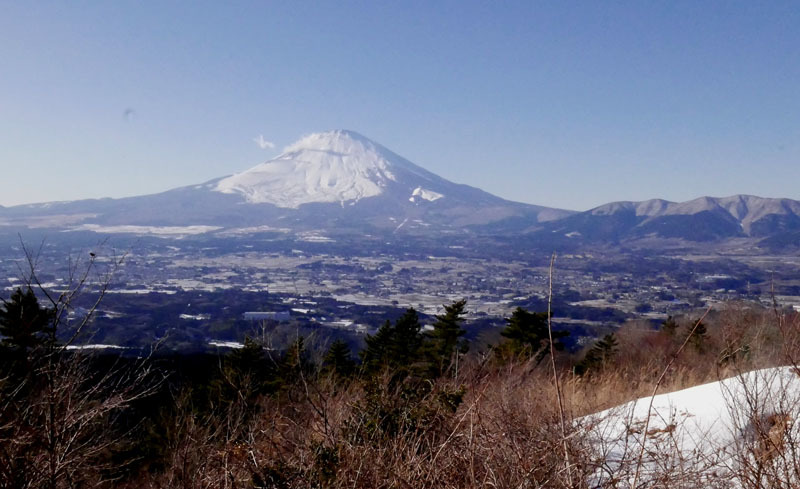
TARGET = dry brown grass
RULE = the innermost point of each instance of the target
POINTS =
(505, 432)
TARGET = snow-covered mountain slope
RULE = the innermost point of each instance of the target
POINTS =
(711, 435)
(335, 166)
(420, 193)
(342, 167)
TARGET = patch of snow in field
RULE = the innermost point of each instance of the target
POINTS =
(148, 230)
(141, 291)
(195, 317)
(311, 237)
(252, 230)
(226, 344)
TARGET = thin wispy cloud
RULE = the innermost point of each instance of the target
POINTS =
(263, 143)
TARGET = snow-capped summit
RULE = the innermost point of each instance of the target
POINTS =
(334, 166)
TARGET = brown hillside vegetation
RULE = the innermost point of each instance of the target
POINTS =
(422, 416)
(493, 424)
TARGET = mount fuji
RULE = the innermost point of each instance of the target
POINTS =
(336, 181)
(337, 166)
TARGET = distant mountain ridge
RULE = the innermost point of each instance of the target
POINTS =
(344, 183)
(701, 219)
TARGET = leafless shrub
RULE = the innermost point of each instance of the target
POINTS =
(504, 432)
(57, 405)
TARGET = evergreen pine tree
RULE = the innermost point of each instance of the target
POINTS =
(599, 355)
(607, 347)
(24, 324)
(292, 363)
(528, 336)
(407, 339)
(396, 346)
(699, 336)
(376, 353)
(338, 359)
(246, 373)
(445, 339)
(669, 326)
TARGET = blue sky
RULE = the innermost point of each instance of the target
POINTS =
(565, 104)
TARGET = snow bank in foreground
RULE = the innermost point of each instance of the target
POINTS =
(733, 433)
